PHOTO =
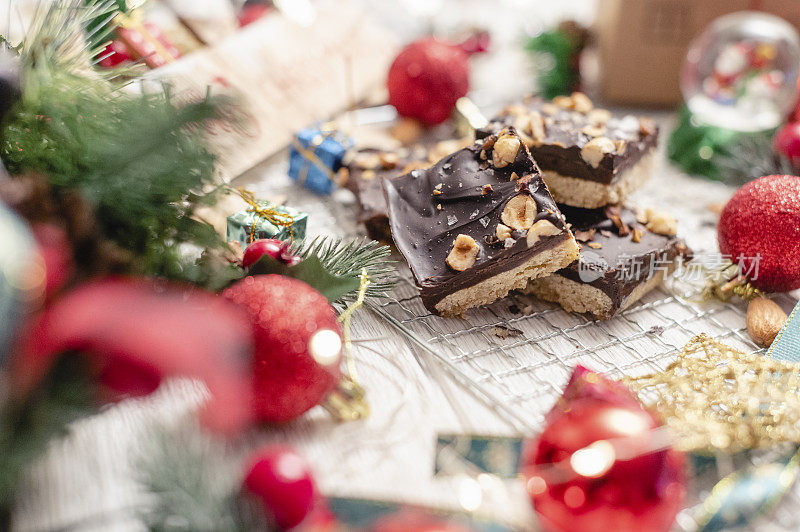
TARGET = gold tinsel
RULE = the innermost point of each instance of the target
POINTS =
(716, 398)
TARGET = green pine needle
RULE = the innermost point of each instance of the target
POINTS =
(348, 259)
(141, 160)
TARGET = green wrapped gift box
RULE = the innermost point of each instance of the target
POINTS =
(264, 219)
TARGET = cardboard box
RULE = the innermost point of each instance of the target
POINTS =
(643, 43)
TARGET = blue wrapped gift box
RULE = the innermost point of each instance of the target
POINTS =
(314, 158)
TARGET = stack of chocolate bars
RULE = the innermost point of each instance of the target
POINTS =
(534, 204)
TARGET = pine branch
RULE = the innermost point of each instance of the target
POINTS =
(141, 161)
(348, 258)
(748, 157)
(194, 484)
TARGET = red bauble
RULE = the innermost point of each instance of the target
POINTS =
(297, 344)
(115, 54)
(277, 249)
(137, 332)
(760, 229)
(787, 142)
(413, 520)
(282, 479)
(252, 12)
(587, 384)
(599, 466)
(427, 78)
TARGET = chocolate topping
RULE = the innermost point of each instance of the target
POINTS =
(567, 131)
(619, 263)
(429, 208)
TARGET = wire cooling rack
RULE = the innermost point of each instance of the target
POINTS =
(516, 354)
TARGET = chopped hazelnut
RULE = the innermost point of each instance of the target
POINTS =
(598, 116)
(564, 102)
(593, 131)
(550, 109)
(581, 102)
(637, 234)
(438, 206)
(514, 176)
(540, 229)
(487, 188)
(505, 150)
(503, 232)
(538, 131)
(514, 110)
(661, 222)
(463, 254)
(594, 245)
(436, 192)
(520, 212)
(597, 148)
(646, 126)
(388, 160)
(368, 161)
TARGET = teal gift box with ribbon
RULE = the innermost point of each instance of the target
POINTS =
(263, 219)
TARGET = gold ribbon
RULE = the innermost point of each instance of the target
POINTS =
(345, 319)
(133, 21)
(271, 215)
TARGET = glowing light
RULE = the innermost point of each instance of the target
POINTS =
(574, 497)
(627, 422)
(290, 467)
(470, 495)
(325, 347)
(536, 485)
(594, 460)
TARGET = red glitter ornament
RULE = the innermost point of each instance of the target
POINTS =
(760, 229)
(282, 479)
(601, 465)
(787, 142)
(298, 344)
(427, 78)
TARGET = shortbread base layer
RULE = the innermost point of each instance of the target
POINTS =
(590, 194)
(584, 298)
(497, 286)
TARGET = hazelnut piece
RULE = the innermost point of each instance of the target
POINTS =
(597, 148)
(503, 232)
(581, 102)
(505, 150)
(661, 222)
(463, 254)
(598, 116)
(520, 212)
(564, 102)
(540, 229)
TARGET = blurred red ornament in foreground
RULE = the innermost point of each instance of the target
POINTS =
(298, 344)
(759, 229)
(283, 482)
(427, 78)
(787, 143)
(137, 332)
(277, 249)
(587, 384)
(601, 465)
(413, 520)
(252, 12)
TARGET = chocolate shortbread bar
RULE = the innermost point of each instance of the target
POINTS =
(365, 170)
(623, 256)
(478, 224)
(588, 157)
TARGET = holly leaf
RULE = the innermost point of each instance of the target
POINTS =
(310, 271)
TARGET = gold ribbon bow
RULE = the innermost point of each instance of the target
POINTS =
(271, 215)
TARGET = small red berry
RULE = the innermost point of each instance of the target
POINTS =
(282, 479)
(277, 249)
